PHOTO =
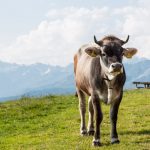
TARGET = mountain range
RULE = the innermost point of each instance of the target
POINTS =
(42, 79)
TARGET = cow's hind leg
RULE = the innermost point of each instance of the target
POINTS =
(91, 117)
(82, 108)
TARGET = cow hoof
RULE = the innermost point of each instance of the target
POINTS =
(115, 141)
(91, 133)
(96, 143)
(83, 132)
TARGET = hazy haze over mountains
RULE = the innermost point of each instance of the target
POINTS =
(41, 79)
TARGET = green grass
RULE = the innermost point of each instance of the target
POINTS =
(52, 123)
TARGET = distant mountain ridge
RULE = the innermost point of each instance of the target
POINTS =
(42, 79)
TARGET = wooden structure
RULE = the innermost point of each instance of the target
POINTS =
(145, 85)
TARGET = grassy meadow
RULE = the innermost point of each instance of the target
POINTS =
(53, 122)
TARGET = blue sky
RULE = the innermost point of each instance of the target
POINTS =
(50, 32)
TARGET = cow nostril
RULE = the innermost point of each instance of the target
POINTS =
(113, 66)
(116, 66)
(119, 65)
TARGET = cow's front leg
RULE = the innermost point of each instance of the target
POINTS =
(82, 109)
(98, 119)
(91, 117)
(113, 118)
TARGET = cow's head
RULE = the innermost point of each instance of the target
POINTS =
(111, 54)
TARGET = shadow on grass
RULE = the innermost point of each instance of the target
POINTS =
(142, 132)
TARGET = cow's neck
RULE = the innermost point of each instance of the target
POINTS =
(110, 87)
(108, 81)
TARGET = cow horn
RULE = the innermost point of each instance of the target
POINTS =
(124, 42)
(97, 42)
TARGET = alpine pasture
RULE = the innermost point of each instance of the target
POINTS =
(53, 122)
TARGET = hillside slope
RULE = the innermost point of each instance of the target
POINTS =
(52, 123)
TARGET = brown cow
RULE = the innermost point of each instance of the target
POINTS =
(100, 74)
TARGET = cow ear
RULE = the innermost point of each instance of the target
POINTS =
(93, 51)
(129, 52)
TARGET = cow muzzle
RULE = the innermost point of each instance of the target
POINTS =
(115, 68)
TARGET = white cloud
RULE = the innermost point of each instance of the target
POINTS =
(57, 38)
(136, 22)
